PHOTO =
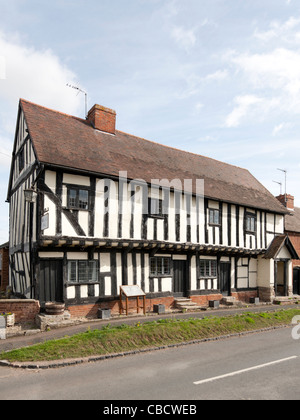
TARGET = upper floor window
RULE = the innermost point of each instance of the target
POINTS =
(250, 223)
(214, 217)
(78, 198)
(155, 207)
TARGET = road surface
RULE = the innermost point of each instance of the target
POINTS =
(263, 366)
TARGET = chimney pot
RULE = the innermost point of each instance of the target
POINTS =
(103, 119)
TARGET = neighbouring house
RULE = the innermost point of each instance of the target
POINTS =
(292, 229)
(4, 267)
(112, 209)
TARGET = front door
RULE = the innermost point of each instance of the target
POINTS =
(225, 275)
(180, 278)
(51, 281)
(296, 281)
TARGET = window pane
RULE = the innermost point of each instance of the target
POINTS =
(214, 217)
(159, 266)
(167, 266)
(83, 199)
(153, 266)
(251, 224)
(72, 198)
(93, 271)
(72, 271)
(202, 268)
(213, 268)
(217, 217)
(83, 271)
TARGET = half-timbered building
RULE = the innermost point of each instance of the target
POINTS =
(112, 209)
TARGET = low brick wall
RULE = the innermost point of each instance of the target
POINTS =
(24, 310)
(91, 310)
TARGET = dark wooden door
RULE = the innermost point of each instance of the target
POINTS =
(51, 281)
(225, 275)
(296, 281)
(180, 278)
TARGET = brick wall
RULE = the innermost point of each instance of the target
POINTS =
(92, 309)
(24, 310)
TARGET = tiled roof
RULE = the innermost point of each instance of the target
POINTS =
(292, 221)
(69, 142)
(276, 246)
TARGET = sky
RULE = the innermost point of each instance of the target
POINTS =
(220, 78)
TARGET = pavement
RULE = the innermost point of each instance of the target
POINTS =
(40, 337)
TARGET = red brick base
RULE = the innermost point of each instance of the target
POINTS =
(91, 310)
(24, 310)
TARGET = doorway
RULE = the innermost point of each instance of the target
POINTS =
(225, 276)
(281, 278)
(296, 281)
(180, 278)
(51, 281)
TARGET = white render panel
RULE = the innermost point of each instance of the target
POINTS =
(99, 208)
(71, 292)
(147, 273)
(166, 284)
(279, 224)
(48, 255)
(84, 181)
(172, 228)
(97, 290)
(84, 291)
(130, 269)
(107, 286)
(105, 262)
(50, 180)
(119, 272)
(67, 228)
(193, 273)
(77, 256)
(83, 219)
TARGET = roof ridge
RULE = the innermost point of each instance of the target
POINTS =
(52, 110)
(184, 151)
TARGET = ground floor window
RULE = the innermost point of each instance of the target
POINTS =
(208, 268)
(82, 271)
(160, 266)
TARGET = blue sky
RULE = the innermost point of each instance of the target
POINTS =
(219, 78)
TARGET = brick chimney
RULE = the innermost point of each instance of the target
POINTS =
(103, 119)
(288, 202)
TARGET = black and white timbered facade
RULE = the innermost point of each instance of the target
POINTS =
(112, 209)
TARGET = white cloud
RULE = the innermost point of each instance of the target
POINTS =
(284, 31)
(2, 68)
(184, 38)
(242, 109)
(273, 83)
(276, 70)
(35, 75)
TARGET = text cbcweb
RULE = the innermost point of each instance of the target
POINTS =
(152, 409)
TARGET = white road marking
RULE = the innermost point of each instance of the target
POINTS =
(239, 372)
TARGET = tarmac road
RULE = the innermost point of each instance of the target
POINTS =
(261, 366)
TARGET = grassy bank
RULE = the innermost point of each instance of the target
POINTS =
(110, 340)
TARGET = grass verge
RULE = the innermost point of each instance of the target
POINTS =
(109, 340)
